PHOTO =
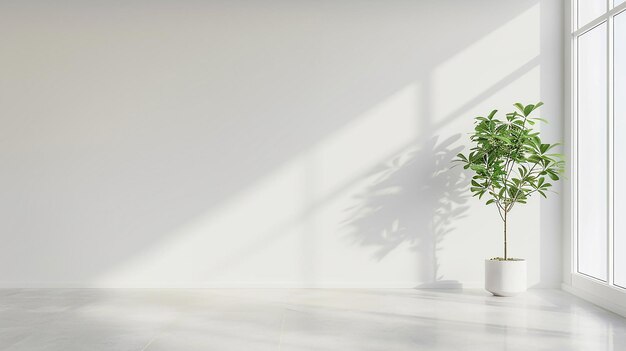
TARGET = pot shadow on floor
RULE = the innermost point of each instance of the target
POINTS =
(414, 199)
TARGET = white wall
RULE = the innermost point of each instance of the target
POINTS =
(266, 143)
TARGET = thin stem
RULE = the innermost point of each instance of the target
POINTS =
(505, 251)
(498, 205)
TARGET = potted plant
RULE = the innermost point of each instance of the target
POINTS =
(510, 163)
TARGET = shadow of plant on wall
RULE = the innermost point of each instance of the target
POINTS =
(413, 200)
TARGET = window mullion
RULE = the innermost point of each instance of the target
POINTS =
(610, 138)
(574, 140)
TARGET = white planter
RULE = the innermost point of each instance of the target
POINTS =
(505, 278)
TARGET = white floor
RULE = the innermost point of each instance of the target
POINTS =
(303, 319)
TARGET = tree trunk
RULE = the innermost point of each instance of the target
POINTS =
(505, 253)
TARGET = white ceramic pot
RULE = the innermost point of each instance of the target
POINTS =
(505, 278)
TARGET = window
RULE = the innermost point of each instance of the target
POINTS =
(598, 146)
(590, 9)
(592, 153)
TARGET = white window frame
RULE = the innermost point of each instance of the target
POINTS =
(605, 294)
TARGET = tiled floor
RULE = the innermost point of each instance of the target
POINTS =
(303, 319)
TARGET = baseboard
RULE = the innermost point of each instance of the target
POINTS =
(595, 299)
(239, 285)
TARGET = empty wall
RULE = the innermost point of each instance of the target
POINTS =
(264, 143)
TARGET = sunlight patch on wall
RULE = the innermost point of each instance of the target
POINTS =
(488, 65)
(380, 132)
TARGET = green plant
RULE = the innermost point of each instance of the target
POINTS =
(509, 161)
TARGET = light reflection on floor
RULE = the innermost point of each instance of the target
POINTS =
(302, 319)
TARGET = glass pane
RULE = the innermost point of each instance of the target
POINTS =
(619, 96)
(617, 2)
(592, 153)
(588, 10)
